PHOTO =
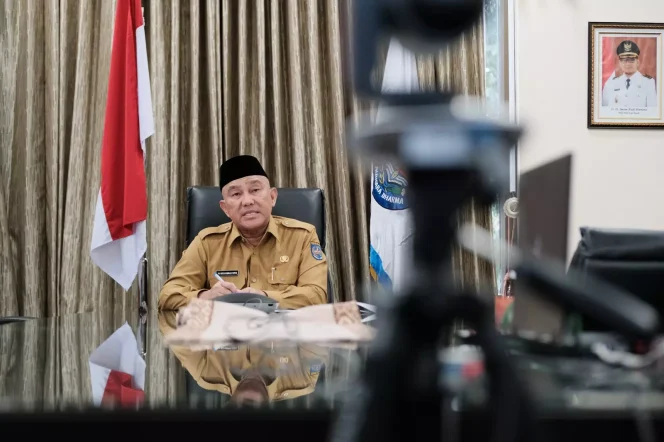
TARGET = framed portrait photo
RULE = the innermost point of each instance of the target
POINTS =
(625, 75)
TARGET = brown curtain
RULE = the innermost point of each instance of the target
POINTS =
(230, 77)
(55, 59)
(54, 75)
(460, 68)
(259, 77)
(262, 77)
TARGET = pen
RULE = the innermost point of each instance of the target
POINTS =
(219, 277)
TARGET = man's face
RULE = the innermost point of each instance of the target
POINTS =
(629, 65)
(250, 392)
(248, 202)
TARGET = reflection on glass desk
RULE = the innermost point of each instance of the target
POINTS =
(44, 366)
(274, 374)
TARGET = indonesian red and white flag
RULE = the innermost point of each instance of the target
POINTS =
(117, 370)
(119, 237)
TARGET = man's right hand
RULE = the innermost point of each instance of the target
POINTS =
(221, 288)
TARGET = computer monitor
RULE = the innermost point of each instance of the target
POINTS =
(544, 209)
(542, 222)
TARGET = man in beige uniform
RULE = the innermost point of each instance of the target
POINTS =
(254, 253)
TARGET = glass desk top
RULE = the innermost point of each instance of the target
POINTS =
(44, 366)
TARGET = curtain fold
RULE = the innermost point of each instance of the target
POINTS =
(184, 55)
(459, 68)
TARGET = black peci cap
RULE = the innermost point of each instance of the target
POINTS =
(239, 167)
(628, 49)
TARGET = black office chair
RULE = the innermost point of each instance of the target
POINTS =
(307, 205)
(630, 259)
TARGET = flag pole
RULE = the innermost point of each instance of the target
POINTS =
(143, 271)
(143, 263)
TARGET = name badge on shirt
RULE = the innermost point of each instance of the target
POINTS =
(223, 273)
(225, 348)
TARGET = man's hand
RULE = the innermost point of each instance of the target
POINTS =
(221, 288)
(253, 290)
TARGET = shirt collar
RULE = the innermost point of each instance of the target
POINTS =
(636, 75)
(272, 229)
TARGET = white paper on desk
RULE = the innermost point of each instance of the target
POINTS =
(120, 353)
(208, 324)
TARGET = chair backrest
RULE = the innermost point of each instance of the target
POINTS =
(630, 259)
(305, 205)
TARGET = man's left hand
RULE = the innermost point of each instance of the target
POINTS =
(253, 290)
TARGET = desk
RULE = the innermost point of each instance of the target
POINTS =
(44, 368)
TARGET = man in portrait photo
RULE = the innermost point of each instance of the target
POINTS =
(632, 89)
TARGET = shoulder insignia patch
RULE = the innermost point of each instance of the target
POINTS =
(647, 76)
(295, 224)
(317, 252)
(224, 228)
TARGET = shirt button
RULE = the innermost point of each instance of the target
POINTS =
(253, 279)
(285, 395)
(285, 223)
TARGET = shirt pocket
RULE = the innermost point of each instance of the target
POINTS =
(282, 275)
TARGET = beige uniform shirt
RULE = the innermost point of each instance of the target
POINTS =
(288, 265)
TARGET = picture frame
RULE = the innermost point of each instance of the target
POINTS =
(625, 72)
